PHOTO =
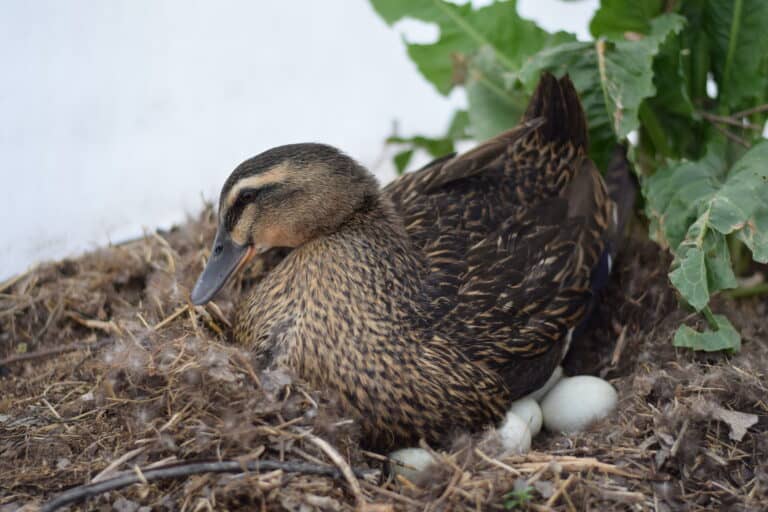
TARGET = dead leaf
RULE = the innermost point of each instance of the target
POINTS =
(738, 422)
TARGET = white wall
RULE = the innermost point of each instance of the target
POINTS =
(121, 114)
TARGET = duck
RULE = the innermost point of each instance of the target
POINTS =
(429, 305)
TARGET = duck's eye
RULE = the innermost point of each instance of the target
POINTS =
(250, 194)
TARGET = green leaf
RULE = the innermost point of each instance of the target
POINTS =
(707, 202)
(668, 120)
(738, 36)
(463, 31)
(674, 193)
(724, 338)
(717, 256)
(702, 266)
(690, 277)
(459, 127)
(626, 71)
(518, 498)
(493, 105)
(402, 159)
(745, 190)
(612, 77)
(435, 146)
(616, 17)
(755, 235)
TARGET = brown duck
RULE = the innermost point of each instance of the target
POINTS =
(430, 305)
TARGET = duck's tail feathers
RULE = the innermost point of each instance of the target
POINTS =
(557, 102)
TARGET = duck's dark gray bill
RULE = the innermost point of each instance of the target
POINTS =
(226, 258)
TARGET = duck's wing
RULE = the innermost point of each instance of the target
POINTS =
(514, 232)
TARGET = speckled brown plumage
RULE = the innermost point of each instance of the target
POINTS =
(432, 304)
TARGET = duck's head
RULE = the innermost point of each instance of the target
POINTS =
(283, 197)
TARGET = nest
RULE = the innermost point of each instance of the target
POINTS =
(116, 392)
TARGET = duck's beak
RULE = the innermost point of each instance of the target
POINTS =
(227, 258)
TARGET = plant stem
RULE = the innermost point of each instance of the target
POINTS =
(732, 43)
(710, 318)
(497, 90)
(756, 110)
(749, 291)
(739, 258)
(653, 127)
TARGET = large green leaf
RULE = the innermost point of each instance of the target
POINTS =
(616, 17)
(463, 31)
(724, 338)
(669, 121)
(648, 71)
(743, 193)
(673, 195)
(612, 77)
(702, 265)
(493, 105)
(694, 205)
(738, 35)
(626, 71)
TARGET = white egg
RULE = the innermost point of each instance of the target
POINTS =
(514, 434)
(528, 410)
(575, 402)
(543, 390)
(414, 462)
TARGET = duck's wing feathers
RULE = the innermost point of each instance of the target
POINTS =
(513, 231)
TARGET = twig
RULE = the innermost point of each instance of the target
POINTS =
(8, 283)
(82, 492)
(216, 312)
(112, 466)
(533, 462)
(735, 138)
(53, 351)
(751, 111)
(619, 348)
(750, 291)
(171, 318)
(496, 463)
(449, 489)
(108, 327)
(732, 121)
(560, 490)
(337, 459)
(392, 495)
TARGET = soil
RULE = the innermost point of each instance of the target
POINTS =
(109, 375)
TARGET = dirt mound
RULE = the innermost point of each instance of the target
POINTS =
(110, 377)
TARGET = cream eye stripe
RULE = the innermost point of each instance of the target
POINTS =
(274, 175)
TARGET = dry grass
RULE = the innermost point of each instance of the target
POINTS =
(111, 377)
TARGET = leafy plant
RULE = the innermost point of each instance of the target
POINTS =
(436, 147)
(688, 77)
(518, 498)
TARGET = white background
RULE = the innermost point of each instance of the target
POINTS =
(122, 115)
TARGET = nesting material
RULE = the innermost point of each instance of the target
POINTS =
(577, 402)
(105, 370)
